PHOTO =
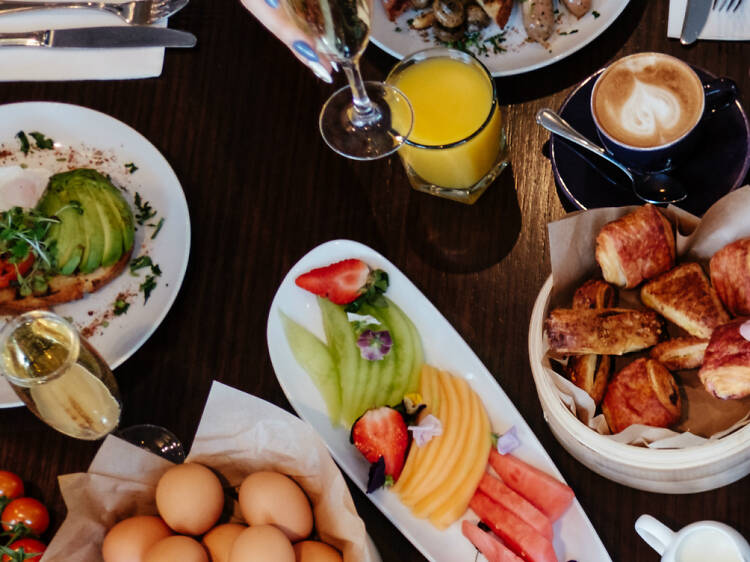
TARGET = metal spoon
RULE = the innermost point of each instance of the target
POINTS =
(657, 188)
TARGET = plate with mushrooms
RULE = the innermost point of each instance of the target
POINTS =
(508, 36)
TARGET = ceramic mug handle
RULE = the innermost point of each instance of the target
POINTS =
(655, 533)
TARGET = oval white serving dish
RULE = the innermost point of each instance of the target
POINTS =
(676, 471)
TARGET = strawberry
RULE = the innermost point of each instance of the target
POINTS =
(381, 432)
(344, 282)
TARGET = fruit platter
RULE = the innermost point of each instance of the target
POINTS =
(460, 391)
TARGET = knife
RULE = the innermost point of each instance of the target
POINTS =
(696, 14)
(100, 37)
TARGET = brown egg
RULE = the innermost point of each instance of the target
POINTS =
(315, 551)
(189, 498)
(218, 541)
(271, 498)
(262, 543)
(129, 539)
(176, 549)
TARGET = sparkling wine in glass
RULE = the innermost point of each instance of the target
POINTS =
(366, 120)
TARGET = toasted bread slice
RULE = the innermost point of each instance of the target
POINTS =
(726, 366)
(635, 247)
(607, 331)
(680, 354)
(62, 288)
(498, 10)
(685, 297)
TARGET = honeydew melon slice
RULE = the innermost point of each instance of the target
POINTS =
(403, 350)
(314, 356)
(418, 352)
(382, 373)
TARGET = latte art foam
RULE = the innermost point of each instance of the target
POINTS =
(648, 100)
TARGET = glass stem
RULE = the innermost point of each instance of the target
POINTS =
(363, 112)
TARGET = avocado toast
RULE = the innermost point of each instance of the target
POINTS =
(81, 235)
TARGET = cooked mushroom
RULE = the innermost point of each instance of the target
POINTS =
(446, 34)
(476, 17)
(423, 20)
(420, 4)
(449, 13)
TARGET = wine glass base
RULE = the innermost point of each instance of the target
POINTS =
(159, 440)
(367, 137)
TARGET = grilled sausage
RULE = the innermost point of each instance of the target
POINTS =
(538, 19)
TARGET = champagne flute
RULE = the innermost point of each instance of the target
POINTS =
(366, 120)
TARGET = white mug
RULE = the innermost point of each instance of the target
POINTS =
(698, 542)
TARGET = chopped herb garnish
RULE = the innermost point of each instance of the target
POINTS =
(410, 21)
(21, 136)
(121, 307)
(473, 43)
(131, 167)
(571, 32)
(595, 14)
(139, 263)
(147, 286)
(42, 142)
(23, 165)
(397, 29)
(145, 211)
(61, 159)
(158, 228)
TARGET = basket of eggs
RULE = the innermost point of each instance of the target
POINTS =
(639, 344)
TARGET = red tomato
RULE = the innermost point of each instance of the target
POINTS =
(27, 511)
(8, 270)
(27, 546)
(11, 485)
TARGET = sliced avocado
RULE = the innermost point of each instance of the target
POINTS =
(94, 226)
(112, 234)
(70, 241)
(126, 215)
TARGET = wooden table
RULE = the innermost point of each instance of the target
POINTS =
(237, 119)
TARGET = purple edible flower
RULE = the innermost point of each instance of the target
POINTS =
(745, 330)
(373, 346)
(508, 441)
(428, 428)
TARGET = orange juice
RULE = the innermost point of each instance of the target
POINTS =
(457, 136)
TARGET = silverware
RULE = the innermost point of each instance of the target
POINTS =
(696, 15)
(726, 5)
(138, 12)
(100, 37)
(656, 188)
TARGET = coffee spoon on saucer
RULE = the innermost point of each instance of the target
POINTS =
(656, 188)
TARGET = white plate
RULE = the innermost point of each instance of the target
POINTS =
(85, 130)
(575, 537)
(520, 55)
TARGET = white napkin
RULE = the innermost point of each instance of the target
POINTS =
(35, 63)
(724, 26)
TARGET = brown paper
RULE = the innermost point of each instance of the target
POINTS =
(238, 434)
(572, 255)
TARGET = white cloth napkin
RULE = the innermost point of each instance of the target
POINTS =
(723, 26)
(38, 64)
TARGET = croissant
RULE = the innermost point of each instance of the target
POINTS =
(684, 296)
(730, 275)
(680, 354)
(726, 365)
(635, 247)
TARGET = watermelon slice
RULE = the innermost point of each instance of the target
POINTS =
(515, 532)
(550, 495)
(488, 544)
(502, 494)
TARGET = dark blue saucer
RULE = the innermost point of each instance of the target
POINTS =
(718, 166)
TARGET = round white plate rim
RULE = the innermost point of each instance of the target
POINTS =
(171, 181)
(586, 39)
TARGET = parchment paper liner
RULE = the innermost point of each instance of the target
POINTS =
(238, 434)
(572, 253)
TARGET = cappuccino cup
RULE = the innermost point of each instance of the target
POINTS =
(648, 108)
(698, 542)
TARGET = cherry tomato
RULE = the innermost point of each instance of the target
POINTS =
(11, 485)
(8, 270)
(26, 546)
(27, 511)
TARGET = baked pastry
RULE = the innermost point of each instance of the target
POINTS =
(730, 275)
(684, 296)
(644, 392)
(680, 354)
(591, 372)
(726, 365)
(635, 247)
(606, 331)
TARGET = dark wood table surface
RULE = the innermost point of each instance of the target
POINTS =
(237, 119)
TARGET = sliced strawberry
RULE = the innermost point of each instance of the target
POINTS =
(381, 432)
(341, 282)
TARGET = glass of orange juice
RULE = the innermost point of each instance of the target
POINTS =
(458, 144)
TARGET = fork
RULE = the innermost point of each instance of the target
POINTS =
(726, 5)
(136, 12)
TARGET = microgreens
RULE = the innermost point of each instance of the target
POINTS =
(22, 232)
